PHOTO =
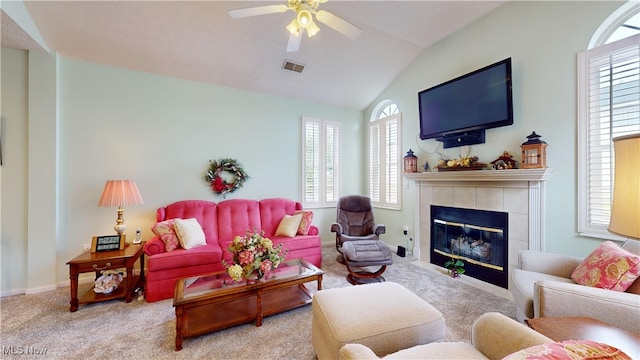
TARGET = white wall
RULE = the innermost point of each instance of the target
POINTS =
(542, 38)
(162, 132)
(13, 194)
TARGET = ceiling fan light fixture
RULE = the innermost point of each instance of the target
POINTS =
(304, 18)
(293, 27)
(312, 29)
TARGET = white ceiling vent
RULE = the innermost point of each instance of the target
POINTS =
(291, 66)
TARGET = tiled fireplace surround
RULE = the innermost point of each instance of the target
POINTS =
(518, 192)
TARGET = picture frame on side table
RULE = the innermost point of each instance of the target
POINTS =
(107, 243)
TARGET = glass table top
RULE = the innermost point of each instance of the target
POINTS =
(220, 283)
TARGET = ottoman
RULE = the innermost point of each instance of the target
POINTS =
(386, 317)
(360, 254)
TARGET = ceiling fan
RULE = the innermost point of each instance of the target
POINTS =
(304, 9)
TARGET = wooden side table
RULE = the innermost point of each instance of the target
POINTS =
(96, 262)
(584, 328)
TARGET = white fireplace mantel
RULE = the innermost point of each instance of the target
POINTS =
(483, 175)
(519, 192)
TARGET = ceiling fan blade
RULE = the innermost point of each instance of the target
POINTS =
(259, 10)
(294, 42)
(342, 26)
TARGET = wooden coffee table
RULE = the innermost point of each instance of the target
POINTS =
(213, 301)
(584, 328)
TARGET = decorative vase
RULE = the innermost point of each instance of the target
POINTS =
(251, 278)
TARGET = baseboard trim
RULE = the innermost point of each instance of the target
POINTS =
(13, 292)
(40, 289)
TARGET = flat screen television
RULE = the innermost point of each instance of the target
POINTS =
(458, 111)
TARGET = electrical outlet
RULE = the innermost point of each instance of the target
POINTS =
(405, 230)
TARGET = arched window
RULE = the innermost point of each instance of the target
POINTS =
(384, 155)
(608, 106)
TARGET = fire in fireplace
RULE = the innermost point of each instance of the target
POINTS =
(478, 237)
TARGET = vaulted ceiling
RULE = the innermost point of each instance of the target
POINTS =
(198, 40)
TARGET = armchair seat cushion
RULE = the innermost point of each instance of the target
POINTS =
(437, 350)
(346, 237)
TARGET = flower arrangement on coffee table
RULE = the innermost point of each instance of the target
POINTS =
(254, 256)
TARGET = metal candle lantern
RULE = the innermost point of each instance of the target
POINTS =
(534, 152)
(410, 162)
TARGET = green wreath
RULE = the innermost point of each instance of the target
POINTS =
(218, 184)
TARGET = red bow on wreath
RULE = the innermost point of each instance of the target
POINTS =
(218, 185)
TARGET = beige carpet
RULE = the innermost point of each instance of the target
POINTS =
(141, 330)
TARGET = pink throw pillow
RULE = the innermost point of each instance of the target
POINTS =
(570, 350)
(305, 223)
(166, 232)
(608, 267)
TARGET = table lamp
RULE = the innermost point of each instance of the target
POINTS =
(625, 208)
(120, 193)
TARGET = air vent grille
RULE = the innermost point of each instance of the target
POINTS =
(291, 66)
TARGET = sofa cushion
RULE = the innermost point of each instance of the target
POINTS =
(305, 222)
(289, 225)
(189, 233)
(273, 210)
(570, 350)
(235, 217)
(204, 211)
(608, 267)
(165, 231)
(522, 289)
(202, 255)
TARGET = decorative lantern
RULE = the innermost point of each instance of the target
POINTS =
(410, 162)
(534, 152)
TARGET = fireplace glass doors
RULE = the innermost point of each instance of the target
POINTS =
(477, 237)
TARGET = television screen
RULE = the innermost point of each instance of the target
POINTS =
(476, 101)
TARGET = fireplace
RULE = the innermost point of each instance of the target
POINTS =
(478, 237)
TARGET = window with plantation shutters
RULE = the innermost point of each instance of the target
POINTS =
(384, 157)
(321, 162)
(608, 107)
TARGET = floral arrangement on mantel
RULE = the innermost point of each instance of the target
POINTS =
(254, 256)
(223, 186)
(463, 163)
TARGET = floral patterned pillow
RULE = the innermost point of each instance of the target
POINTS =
(166, 232)
(608, 267)
(305, 222)
(570, 350)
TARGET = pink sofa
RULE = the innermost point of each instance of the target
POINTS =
(221, 222)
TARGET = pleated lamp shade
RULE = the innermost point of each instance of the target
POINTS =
(120, 193)
(625, 208)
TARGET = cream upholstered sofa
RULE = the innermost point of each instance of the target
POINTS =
(542, 287)
(493, 336)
